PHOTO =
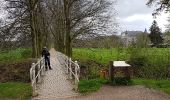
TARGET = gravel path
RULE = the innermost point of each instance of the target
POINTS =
(55, 83)
(123, 93)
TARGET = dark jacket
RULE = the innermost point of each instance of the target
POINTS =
(45, 53)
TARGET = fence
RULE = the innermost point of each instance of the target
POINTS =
(37, 70)
(71, 68)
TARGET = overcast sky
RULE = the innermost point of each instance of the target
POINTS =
(2, 12)
(132, 15)
(135, 15)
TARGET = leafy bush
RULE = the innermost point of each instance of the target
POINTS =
(138, 61)
(121, 81)
(90, 69)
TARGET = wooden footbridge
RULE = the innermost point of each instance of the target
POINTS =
(60, 82)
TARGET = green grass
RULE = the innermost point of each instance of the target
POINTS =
(163, 85)
(103, 56)
(151, 63)
(14, 55)
(148, 62)
(99, 55)
(18, 91)
(87, 86)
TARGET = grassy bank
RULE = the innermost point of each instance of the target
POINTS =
(15, 91)
(14, 66)
(163, 85)
(14, 55)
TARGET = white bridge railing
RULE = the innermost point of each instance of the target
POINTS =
(71, 68)
(37, 70)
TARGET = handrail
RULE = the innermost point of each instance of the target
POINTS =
(69, 67)
(37, 70)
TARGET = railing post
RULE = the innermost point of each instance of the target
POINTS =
(67, 66)
(39, 76)
(43, 65)
(33, 80)
(76, 69)
(31, 74)
(33, 71)
(70, 74)
(111, 71)
(76, 75)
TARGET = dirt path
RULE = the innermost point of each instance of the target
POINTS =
(124, 93)
(55, 83)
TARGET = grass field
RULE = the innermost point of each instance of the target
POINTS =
(14, 55)
(103, 55)
(15, 91)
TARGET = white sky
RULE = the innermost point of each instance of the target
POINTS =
(136, 15)
(132, 15)
(2, 12)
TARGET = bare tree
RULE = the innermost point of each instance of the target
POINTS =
(161, 5)
(58, 21)
(26, 20)
(77, 17)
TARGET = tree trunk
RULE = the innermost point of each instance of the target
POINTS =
(68, 28)
(33, 33)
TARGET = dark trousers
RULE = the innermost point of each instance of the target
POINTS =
(47, 63)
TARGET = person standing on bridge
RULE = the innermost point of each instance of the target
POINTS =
(46, 55)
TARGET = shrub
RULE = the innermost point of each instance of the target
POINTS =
(138, 61)
(121, 81)
(89, 69)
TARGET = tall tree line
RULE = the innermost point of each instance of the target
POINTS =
(56, 21)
